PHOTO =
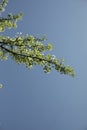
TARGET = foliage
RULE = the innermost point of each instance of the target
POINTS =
(28, 50)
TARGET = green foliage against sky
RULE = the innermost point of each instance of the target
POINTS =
(27, 50)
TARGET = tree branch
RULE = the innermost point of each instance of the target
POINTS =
(23, 55)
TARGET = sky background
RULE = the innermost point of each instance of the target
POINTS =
(32, 100)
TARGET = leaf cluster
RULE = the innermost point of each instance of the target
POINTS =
(3, 5)
(9, 22)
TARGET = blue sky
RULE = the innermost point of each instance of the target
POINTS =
(32, 100)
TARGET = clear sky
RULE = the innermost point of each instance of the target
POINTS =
(32, 100)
